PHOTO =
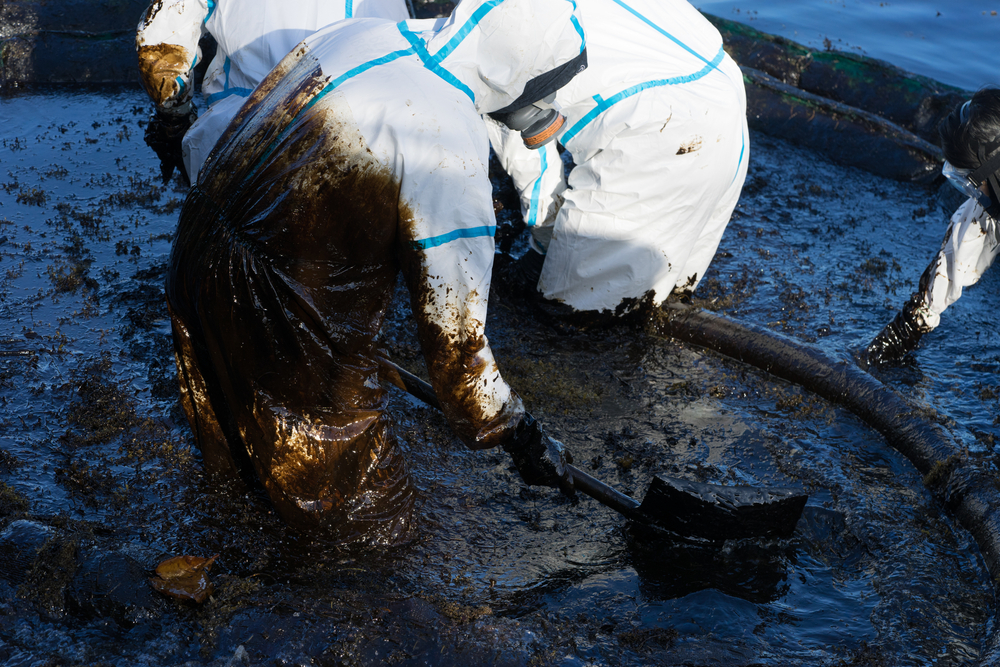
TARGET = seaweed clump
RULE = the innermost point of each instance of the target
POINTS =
(461, 613)
(643, 639)
(547, 384)
(104, 410)
(101, 410)
(941, 471)
(12, 502)
(51, 573)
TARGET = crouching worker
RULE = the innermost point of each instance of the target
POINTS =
(657, 129)
(362, 154)
(970, 139)
(251, 37)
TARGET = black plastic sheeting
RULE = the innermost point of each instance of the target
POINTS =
(963, 486)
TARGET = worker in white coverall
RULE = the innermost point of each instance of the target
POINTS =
(970, 138)
(657, 130)
(362, 154)
(252, 37)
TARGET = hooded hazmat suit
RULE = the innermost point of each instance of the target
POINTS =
(970, 140)
(362, 154)
(252, 37)
(657, 130)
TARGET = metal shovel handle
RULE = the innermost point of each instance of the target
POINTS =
(602, 493)
(582, 482)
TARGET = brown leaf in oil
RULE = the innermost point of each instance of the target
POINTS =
(184, 578)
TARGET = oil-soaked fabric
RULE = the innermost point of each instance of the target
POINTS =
(657, 129)
(970, 246)
(360, 155)
(281, 271)
(252, 36)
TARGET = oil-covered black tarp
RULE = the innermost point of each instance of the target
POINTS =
(277, 292)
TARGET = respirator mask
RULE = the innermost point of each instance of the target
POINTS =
(538, 122)
(535, 113)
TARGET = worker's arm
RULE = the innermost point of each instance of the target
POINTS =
(483, 411)
(969, 248)
(167, 45)
(538, 177)
(449, 289)
(446, 250)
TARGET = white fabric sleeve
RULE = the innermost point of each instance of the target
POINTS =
(538, 177)
(167, 44)
(970, 246)
(202, 136)
(446, 251)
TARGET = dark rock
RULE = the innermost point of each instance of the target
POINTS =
(113, 585)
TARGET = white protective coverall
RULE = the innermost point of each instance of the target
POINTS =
(970, 246)
(656, 126)
(361, 155)
(252, 37)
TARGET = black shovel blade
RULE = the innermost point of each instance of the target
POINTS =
(717, 512)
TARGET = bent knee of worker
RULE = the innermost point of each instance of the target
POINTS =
(323, 457)
(354, 484)
(591, 221)
(597, 273)
(304, 444)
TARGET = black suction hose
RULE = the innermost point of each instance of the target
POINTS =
(969, 491)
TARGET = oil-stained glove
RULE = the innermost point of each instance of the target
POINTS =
(540, 459)
(899, 337)
(164, 133)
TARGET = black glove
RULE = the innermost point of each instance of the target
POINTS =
(540, 460)
(163, 134)
(899, 337)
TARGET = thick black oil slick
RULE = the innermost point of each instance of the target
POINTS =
(99, 479)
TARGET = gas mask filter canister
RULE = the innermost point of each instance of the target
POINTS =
(538, 122)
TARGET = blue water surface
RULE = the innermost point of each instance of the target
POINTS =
(953, 42)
